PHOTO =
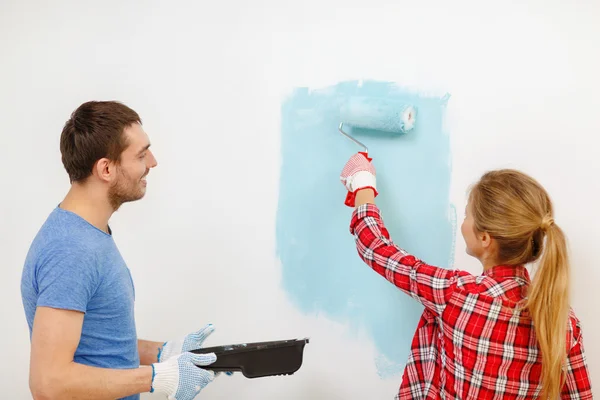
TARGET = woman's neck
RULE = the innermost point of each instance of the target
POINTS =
(489, 262)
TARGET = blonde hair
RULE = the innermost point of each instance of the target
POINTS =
(516, 211)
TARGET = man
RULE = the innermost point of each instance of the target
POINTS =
(77, 291)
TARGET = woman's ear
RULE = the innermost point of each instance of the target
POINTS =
(485, 240)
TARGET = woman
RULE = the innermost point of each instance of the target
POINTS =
(494, 336)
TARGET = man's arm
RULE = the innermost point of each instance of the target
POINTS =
(149, 351)
(53, 373)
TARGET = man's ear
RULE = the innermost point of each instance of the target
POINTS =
(104, 169)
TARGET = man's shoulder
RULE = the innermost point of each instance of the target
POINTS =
(65, 236)
(65, 229)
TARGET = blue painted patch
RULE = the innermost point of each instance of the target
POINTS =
(322, 272)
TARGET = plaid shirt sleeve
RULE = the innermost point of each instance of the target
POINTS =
(577, 382)
(431, 286)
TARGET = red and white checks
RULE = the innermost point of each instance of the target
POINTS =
(471, 342)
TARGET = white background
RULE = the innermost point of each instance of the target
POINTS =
(208, 79)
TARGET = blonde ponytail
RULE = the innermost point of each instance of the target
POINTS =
(517, 212)
(548, 304)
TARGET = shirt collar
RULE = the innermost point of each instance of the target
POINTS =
(508, 271)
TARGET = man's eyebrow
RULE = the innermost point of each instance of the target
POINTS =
(144, 149)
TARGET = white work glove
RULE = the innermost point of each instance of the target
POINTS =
(357, 174)
(192, 341)
(180, 378)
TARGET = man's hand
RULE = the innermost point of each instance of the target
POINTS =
(192, 341)
(358, 174)
(180, 377)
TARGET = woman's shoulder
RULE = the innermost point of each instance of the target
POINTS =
(574, 328)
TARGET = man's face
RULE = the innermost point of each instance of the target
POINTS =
(136, 161)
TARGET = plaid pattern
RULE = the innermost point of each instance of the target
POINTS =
(470, 342)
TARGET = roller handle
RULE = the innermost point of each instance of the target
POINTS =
(351, 196)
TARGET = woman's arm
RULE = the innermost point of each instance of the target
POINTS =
(577, 383)
(431, 286)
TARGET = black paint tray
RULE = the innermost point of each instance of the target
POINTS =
(255, 360)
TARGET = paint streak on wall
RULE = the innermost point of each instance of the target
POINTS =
(322, 272)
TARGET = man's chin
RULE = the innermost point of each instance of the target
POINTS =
(141, 194)
(116, 204)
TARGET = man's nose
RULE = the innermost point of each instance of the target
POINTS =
(152, 160)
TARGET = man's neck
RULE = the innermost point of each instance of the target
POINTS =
(89, 204)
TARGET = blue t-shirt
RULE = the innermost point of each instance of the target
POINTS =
(73, 265)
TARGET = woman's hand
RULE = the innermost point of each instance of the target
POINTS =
(359, 174)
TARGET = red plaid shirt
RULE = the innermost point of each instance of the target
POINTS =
(470, 343)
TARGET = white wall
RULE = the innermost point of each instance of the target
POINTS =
(208, 79)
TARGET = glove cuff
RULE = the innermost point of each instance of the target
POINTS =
(161, 353)
(165, 378)
(362, 179)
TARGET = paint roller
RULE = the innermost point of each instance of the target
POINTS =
(375, 114)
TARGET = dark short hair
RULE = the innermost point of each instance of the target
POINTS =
(95, 130)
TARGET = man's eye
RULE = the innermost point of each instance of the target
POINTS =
(143, 155)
